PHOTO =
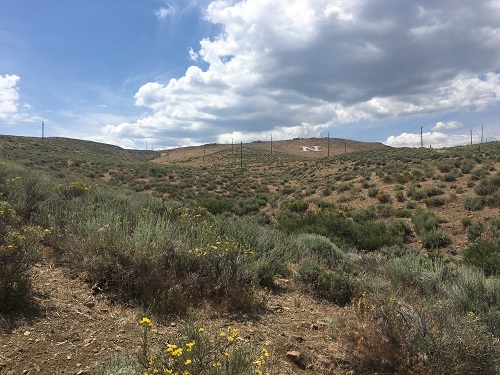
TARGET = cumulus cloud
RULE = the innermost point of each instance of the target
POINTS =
(9, 97)
(280, 64)
(432, 139)
(441, 126)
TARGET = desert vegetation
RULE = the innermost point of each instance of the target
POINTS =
(403, 242)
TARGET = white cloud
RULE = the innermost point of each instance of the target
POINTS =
(283, 63)
(434, 139)
(440, 126)
(9, 97)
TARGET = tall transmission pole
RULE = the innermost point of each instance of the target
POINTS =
(43, 129)
(471, 137)
(241, 154)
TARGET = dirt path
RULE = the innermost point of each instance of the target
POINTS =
(71, 331)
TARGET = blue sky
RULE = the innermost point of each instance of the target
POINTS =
(186, 72)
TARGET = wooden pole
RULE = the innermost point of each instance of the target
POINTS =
(328, 154)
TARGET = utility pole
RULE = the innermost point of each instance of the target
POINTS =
(328, 153)
(43, 126)
(482, 128)
(241, 154)
(471, 137)
(271, 144)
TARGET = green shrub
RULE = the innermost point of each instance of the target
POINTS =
(400, 229)
(488, 186)
(434, 202)
(384, 197)
(373, 235)
(411, 205)
(484, 255)
(416, 271)
(474, 202)
(319, 247)
(400, 196)
(372, 192)
(309, 269)
(470, 291)
(335, 286)
(367, 213)
(424, 221)
(445, 166)
(466, 166)
(466, 222)
(403, 212)
(217, 206)
(18, 253)
(474, 231)
(297, 206)
(435, 239)
(385, 210)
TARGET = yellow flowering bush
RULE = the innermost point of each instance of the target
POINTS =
(194, 352)
(74, 189)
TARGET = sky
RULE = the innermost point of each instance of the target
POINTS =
(169, 73)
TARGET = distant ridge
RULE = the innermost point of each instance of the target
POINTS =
(298, 147)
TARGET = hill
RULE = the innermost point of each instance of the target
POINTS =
(371, 260)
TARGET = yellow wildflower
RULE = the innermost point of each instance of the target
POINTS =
(146, 322)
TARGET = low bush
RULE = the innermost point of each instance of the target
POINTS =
(435, 239)
(488, 186)
(474, 202)
(18, 253)
(484, 255)
(384, 197)
(474, 231)
(434, 202)
(319, 247)
(424, 221)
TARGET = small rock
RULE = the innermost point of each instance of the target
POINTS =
(296, 358)
(323, 361)
(27, 333)
(173, 324)
(314, 327)
(298, 338)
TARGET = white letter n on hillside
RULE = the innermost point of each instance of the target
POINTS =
(315, 148)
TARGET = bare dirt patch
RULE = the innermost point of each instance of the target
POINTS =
(68, 330)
